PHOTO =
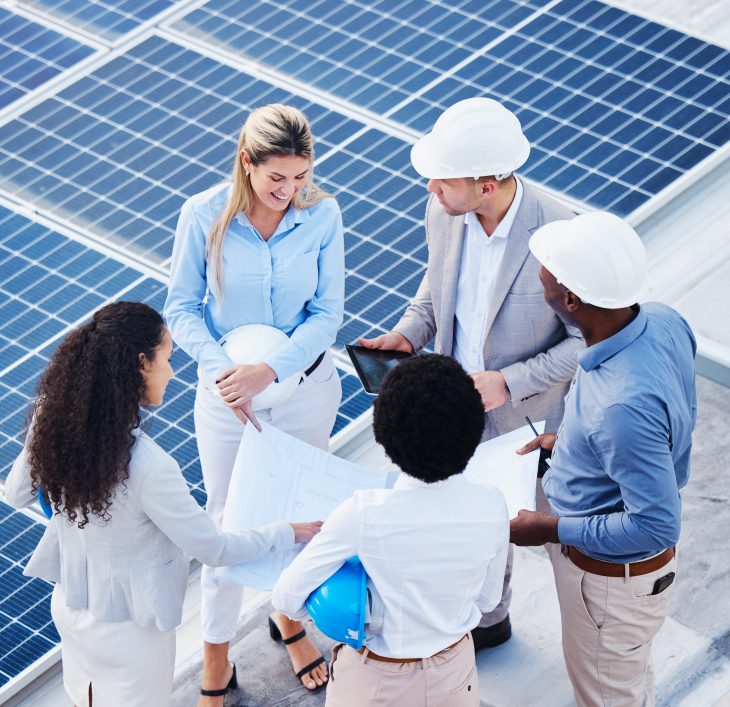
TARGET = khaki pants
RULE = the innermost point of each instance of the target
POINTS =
(608, 626)
(448, 679)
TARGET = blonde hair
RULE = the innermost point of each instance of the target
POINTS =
(274, 130)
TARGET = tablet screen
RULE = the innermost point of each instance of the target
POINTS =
(372, 364)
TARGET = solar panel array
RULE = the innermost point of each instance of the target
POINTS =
(110, 20)
(616, 108)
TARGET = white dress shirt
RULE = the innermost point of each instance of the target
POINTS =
(435, 553)
(481, 257)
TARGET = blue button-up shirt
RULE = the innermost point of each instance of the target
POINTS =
(623, 448)
(294, 282)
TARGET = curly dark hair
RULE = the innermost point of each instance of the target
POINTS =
(429, 417)
(87, 406)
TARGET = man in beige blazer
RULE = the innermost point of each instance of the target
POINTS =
(481, 299)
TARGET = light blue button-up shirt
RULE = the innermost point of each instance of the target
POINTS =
(295, 282)
(623, 448)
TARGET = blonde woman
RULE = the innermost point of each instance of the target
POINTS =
(265, 248)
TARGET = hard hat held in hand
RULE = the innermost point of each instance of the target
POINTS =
(338, 606)
(477, 137)
(254, 343)
(597, 256)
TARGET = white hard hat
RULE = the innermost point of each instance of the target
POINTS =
(597, 255)
(477, 137)
(253, 343)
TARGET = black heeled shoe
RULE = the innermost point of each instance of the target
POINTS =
(232, 685)
(275, 634)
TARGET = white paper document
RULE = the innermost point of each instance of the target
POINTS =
(278, 477)
(496, 464)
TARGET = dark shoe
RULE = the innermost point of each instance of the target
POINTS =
(275, 634)
(232, 685)
(491, 636)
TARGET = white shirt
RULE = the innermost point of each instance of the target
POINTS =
(435, 553)
(481, 257)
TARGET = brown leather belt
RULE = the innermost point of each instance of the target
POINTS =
(313, 367)
(611, 569)
(384, 659)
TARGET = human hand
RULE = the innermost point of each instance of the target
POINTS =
(239, 384)
(546, 441)
(392, 341)
(533, 528)
(492, 388)
(246, 414)
(304, 532)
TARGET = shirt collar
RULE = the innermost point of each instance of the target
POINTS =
(404, 481)
(595, 355)
(505, 225)
(292, 217)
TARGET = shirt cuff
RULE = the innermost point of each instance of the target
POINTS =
(283, 537)
(570, 531)
(514, 378)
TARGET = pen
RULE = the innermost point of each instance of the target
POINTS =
(532, 427)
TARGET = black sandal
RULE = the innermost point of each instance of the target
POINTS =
(232, 685)
(275, 634)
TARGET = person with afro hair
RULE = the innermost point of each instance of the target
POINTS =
(434, 547)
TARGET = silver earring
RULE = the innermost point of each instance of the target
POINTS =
(246, 170)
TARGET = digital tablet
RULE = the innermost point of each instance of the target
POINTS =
(372, 364)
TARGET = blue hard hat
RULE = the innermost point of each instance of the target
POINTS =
(339, 605)
(47, 510)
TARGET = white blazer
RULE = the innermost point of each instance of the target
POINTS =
(135, 567)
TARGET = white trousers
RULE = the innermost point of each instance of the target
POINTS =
(309, 414)
(125, 664)
(608, 627)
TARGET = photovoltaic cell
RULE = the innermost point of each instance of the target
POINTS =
(107, 19)
(31, 54)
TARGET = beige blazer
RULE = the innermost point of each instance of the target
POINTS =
(135, 567)
(525, 340)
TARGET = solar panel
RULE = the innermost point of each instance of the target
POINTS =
(616, 107)
(107, 19)
(31, 54)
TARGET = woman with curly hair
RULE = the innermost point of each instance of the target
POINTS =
(124, 524)
(266, 248)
